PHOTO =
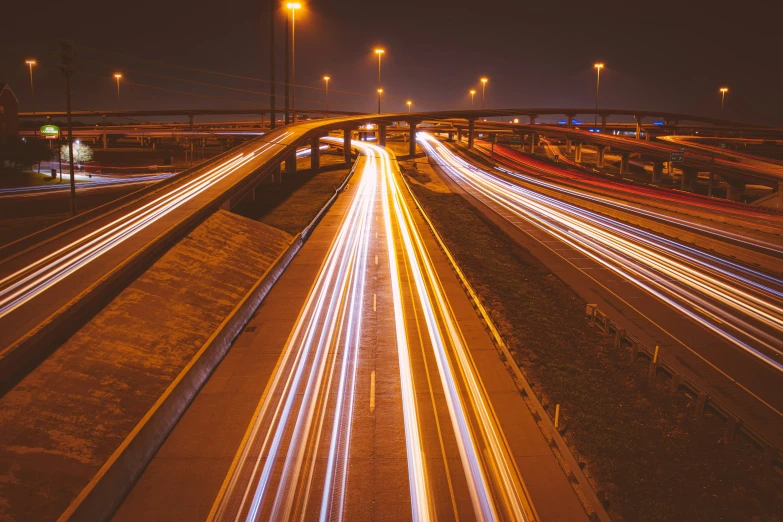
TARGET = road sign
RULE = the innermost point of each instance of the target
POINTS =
(50, 132)
(676, 157)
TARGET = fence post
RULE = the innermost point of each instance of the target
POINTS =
(619, 334)
(654, 363)
(701, 401)
(731, 428)
(677, 380)
(634, 351)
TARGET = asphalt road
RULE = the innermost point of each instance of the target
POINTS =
(718, 320)
(364, 388)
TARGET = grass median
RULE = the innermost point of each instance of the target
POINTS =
(639, 444)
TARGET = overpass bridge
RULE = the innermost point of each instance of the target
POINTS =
(34, 320)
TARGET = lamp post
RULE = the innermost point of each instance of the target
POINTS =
(379, 52)
(30, 63)
(118, 76)
(326, 79)
(293, 6)
(472, 97)
(723, 91)
(598, 68)
(483, 90)
(409, 105)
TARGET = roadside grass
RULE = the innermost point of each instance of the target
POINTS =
(639, 444)
(292, 204)
(28, 178)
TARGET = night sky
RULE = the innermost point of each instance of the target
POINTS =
(671, 56)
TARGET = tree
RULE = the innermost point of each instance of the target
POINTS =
(82, 153)
(24, 153)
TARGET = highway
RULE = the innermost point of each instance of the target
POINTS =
(738, 309)
(752, 228)
(304, 424)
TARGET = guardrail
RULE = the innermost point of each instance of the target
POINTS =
(659, 365)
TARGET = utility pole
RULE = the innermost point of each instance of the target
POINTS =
(67, 70)
(286, 72)
(272, 118)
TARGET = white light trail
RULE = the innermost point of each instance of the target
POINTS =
(30, 281)
(738, 303)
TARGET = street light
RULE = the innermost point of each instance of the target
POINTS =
(598, 67)
(472, 97)
(326, 79)
(118, 76)
(483, 89)
(723, 91)
(30, 63)
(379, 52)
(293, 6)
(409, 105)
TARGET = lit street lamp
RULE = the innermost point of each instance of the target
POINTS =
(723, 91)
(293, 6)
(483, 89)
(409, 105)
(30, 64)
(598, 68)
(472, 97)
(379, 52)
(326, 79)
(118, 76)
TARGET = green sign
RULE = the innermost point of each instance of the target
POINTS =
(51, 132)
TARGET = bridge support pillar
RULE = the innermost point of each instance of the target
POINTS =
(599, 156)
(625, 159)
(533, 139)
(638, 127)
(471, 132)
(569, 145)
(104, 133)
(578, 153)
(290, 163)
(315, 154)
(657, 175)
(736, 191)
(412, 144)
(570, 120)
(277, 177)
(533, 119)
(451, 136)
(459, 135)
(689, 176)
(347, 145)
(603, 124)
(382, 135)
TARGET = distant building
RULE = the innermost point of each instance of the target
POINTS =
(9, 118)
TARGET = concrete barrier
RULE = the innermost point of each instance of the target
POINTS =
(105, 492)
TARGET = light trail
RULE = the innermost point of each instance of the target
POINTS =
(738, 303)
(39, 190)
(311, 394)
(30, 281)
(528, 163)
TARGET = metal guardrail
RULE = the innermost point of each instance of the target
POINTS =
(772, 461)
